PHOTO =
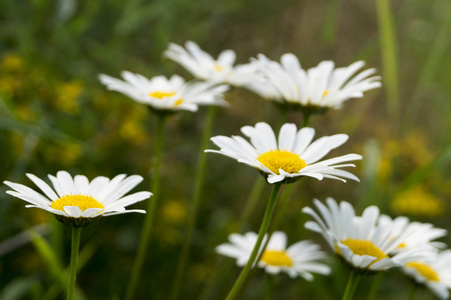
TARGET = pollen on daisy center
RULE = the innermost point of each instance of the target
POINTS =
(161, 95)
(82, 201)
(280, 159)
(362, 247)
(424, 270)
(277, 258)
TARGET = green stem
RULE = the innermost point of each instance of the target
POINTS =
(269, 287)
(354, 286)
(306, 119)
(200, 178)
(76, 232)
(412, 291)
(252, 201)
(389, 58)
(349, 286)
(375, 286)
(263, 229)
(150, 212)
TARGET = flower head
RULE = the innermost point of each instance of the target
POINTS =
(317, 88)
(76, 201)
(415, 234)
(203, 66)
(163, 94)
(364, 243)
(292, 156)
(300, 259)
(434, 272)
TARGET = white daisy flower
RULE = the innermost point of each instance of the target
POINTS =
(164, 94)
(300, 259)
(292, 156)
(203, 66)
(362, 242)
(415, 234)
(317, 88)
(76, 201)
(434, 273)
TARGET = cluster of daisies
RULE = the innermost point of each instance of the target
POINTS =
(368, 243)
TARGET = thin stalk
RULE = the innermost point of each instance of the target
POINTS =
(389, 58)
(306, 119)
(349, 286)
(354, 286)
(252, 201)
(76, 232)
(263, 229)
(150, 212)
(269, 287)
(375, 286)
(200, 178)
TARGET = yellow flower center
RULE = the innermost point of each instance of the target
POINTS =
(362, 247)
(325, 93)
(161, 95)
(279, 159)
(218, 68)
(82, 201)
(276, 258)
(402, 246)
(424, 270)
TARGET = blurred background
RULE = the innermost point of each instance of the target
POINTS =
(55, 115)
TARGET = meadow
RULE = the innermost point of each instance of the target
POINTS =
(55, 114)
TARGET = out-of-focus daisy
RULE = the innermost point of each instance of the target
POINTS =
(292, 156)
(164, 94)
(300, 259)
(362, 242)
(434, 273)
(318, 88)
(415, 234)
(76, 201)
(203, 66)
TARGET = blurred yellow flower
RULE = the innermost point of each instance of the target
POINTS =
(174, 212)
(132, 130)
(67, 95)
(417, 201)
(407, 154)
(12, 63)
(66, 154)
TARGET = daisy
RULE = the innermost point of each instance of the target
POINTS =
(292, 156)
(318, 88)
(76, 201)
(416, 234)
(163, 94)
(361, 242)
(300, 259)
(203, 66)
(434, 273)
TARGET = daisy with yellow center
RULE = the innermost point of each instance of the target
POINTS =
(291, 156)
(321, 87)
(415, 234)
(434, 272)
(365, 243)
(163, 94)
(300, 259)
(76, 201)
(203, 66)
